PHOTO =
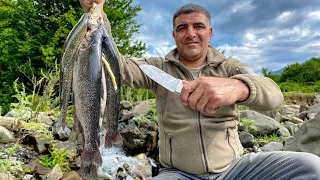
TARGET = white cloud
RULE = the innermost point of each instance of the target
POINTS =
(259, 33)
(285, 16)
(160, 49)
(256, 38)
(295, 34)
(250, 36)
(242, 6)
(314, 15)
(310, 47)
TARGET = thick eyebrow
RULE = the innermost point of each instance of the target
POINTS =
(199, 23)
(196, 23)
(181, 25)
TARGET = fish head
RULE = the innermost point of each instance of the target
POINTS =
(94, 19)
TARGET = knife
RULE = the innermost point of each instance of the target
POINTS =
(164, 79)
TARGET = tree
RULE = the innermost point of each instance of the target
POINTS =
(307, 72)
(120, 14)
(33, 33)
(290, 72)
(266, 72)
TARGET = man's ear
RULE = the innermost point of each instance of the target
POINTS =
(173, 34)
(210, 32)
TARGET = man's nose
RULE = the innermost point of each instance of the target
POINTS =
(191, 33)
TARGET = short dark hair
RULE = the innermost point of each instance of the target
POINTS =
(190, 8)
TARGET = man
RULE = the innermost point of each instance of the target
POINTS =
(198, 130)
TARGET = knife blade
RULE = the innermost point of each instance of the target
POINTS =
(164, 79)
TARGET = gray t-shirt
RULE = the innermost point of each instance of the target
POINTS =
(194, 71)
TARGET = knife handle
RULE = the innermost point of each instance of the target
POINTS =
(179, 87)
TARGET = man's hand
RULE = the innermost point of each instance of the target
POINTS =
(207, 94)
(87, 4)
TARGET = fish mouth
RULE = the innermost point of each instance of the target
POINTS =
(95, 18)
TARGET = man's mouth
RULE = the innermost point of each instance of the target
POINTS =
(192, 43)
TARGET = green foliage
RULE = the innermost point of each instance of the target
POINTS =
(135, 95)
(307, 72)
(28, 106)
(57, 156)
(8, 165)
(266, 72)
(268, 138)
(300, 87)
(247, 124)
(153, 112)
(121, 15)
(242, 108)
(11, 151)
(22, 107)
(39, 130)
(299, 94)
(297, 77)
(151, 116)
(69, 117)
(11, 166)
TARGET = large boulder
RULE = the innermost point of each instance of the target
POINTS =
(263, 123)
(307, 138)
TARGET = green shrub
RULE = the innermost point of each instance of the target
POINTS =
(268, 138)
(57, 156)
(300, 87)
(11, 166)
(39, 130)
(135, 95)
(247, 124)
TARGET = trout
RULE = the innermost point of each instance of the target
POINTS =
(112, 109)
(87, 90)
(66, 68)
(86, 85)
(95, 82)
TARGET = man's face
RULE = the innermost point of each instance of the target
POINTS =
(192, 33)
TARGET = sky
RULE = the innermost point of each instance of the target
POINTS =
(261, 33)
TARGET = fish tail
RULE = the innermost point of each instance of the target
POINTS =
(89, 172)
(113, 138)
(91, 158)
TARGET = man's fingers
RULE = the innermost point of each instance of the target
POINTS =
(213, 104)
(185, 92)
(195, 96)
(202, 103)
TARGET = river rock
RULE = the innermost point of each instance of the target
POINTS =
(284, 132)
(246, 139)
(72, 175)
(272, 146)
(54, 174)
(307, 138)
(264, 124)
(6, 136)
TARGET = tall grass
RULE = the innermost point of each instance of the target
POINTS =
(300, 87)
(135, 95)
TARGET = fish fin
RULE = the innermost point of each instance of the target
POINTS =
(113, 138)
(90, 161)
(76, 129)
(89, 172)
(91, 158)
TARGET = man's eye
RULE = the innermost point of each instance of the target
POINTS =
(181, 28)
(199, 27)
